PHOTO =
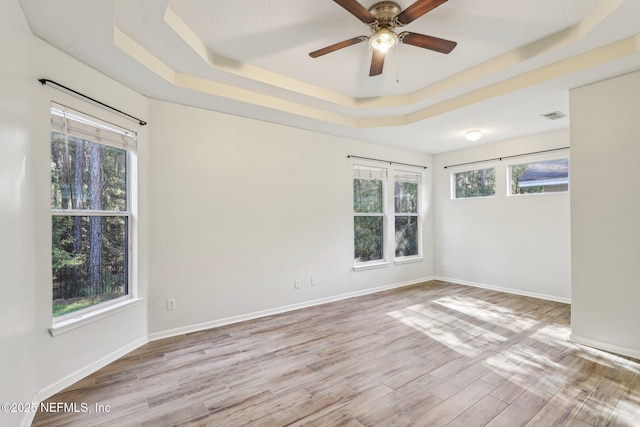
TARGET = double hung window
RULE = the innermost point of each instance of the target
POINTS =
(405, 196)
(369, 185)
(91, 211)
(373, 202)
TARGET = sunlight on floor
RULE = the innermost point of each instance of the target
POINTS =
(541, 361)
(483, 310)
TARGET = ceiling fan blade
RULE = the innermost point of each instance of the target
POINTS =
(337, 46)
(416, 10)
(427, 42)
(357, 10)
(377, 62)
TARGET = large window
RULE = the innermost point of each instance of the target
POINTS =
(373, 200)
(474, 183)
(406, 213)
(368, 213)
(549, 176)
(91, 211)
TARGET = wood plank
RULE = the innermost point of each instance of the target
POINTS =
(457, 404)
(480, 413)
(432, 354)
(521, 410)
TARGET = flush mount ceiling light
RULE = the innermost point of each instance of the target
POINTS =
(473, 135)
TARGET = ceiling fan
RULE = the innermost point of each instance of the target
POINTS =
(383, 18)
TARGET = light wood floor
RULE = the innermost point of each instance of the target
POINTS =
(435, 354)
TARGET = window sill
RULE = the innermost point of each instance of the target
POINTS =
(408, 260)
(86, 318)
(370, 266)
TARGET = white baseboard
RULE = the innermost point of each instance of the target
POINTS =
(506, 290)
(277, 310)
(600, 345)
(65, 382)
(76, 376)
(27, 420)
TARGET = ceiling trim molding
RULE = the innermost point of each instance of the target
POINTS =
(147, 59)
(579, 62)
(227, 65)
(622, 48)
(492, 66)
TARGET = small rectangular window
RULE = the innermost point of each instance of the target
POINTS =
(368, 213)
(549, 176)
(90, 207)
(406, 198)
(475, 183)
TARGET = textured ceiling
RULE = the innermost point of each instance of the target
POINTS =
(515, 60)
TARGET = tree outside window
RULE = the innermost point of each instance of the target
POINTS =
(90, 217)
(475, 183)
(368, 213)
(406, 213)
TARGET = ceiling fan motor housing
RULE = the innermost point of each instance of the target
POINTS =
(384, 12)
(382, 18)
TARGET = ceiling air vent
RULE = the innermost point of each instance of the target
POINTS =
(555, 115)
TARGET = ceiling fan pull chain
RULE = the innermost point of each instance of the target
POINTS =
(397, 63)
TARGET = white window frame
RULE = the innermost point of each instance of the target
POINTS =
(388, 214)
(417, 214)
(510, 178)
(75, 319)
(363, 265)
(452, 180)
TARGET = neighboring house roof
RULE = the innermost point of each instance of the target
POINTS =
(553, 172)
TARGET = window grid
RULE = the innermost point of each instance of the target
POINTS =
(369, 187)
(406, 208)
(91, 215)
(375, 205)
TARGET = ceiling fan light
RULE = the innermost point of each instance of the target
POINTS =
(473, 135)
(383, 40)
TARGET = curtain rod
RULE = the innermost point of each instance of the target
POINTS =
(507, 157)
(386, 161)
(45, 81)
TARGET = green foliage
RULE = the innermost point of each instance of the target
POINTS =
(63, 256)
(368, 238)
(89, 260)
(516, 173)
(406, 227)
(71, 171)
(367, 195)
(369, 229)
(68, 306)
(406, 236)
(406, 197)
(476, 183)
(368, 198)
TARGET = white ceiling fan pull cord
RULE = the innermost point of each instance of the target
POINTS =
(397, 46)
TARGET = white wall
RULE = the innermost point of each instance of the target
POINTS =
(519, 244)
(232, 211)
(33, 363)
(241, 208)
(18, 278)
(67, 357)
(605, 214)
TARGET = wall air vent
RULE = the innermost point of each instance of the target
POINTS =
(555, 115)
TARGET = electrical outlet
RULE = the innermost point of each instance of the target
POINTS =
(296, 284)
(171, 304)
(314, 281)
